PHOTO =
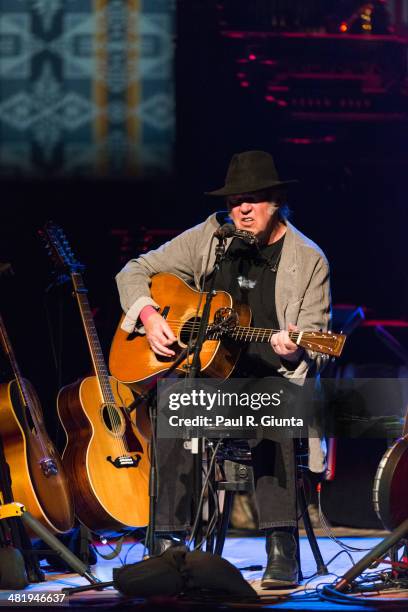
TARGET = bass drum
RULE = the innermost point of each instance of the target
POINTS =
(390, 491)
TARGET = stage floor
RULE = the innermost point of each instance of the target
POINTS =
(242, 552)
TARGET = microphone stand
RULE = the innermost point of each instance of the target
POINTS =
(151, 398)
(193, 372)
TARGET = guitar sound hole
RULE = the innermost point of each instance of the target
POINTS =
(112, 419)
(189, 326)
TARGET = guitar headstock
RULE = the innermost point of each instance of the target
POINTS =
(59, 249)
(327, 343)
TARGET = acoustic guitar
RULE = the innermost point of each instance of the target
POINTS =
(37, 477)
(133, 362)
(106, 461)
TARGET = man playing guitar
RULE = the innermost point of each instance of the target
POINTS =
(285, 281)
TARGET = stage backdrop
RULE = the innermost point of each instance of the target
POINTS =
(86, 87)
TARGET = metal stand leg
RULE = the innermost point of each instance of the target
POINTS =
(296, 534)
(224, 522)
(73, 561)
(320, 564)
(378, 551)
(210, 539)
(198, 483)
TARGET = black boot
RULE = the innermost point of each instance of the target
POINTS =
(163, 541)
(282, 569)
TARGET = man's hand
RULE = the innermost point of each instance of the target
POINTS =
(159, 335)
(284, 347)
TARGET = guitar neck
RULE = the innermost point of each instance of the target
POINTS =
(25, 396)
(9, 352)
(95, 349)
(254, 334)
(321, 342)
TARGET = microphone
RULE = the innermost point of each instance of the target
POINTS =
(228, 230)
(225, 231)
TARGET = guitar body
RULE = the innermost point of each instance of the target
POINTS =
(107, 496)
(46, 497)
(133, 362)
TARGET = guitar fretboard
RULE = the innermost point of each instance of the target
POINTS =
(250, 334)
(22, 388)
(94, 345)
(8, 350)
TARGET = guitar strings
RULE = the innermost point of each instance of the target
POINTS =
(233, 332)
(178, 324)
(23, 391)
(101, 372)
(102, 377)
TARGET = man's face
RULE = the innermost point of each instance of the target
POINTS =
(253, 212)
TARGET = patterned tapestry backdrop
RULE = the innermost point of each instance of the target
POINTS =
(86, 87)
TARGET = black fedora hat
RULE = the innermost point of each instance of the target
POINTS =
(250, 171)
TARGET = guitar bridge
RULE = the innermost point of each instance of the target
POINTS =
(124, 461)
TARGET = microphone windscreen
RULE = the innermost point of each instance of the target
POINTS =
(225, 231)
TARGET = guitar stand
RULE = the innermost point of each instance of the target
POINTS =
(72, 560)
(19, 536)
(15, 509)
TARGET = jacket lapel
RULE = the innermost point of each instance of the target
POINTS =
(286, 276)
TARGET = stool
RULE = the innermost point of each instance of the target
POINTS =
(234, 461)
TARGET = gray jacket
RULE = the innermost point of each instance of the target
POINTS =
(302, 290)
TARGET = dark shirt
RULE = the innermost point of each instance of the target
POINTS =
(249, 276)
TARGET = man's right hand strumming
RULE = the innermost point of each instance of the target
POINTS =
(159, 335)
